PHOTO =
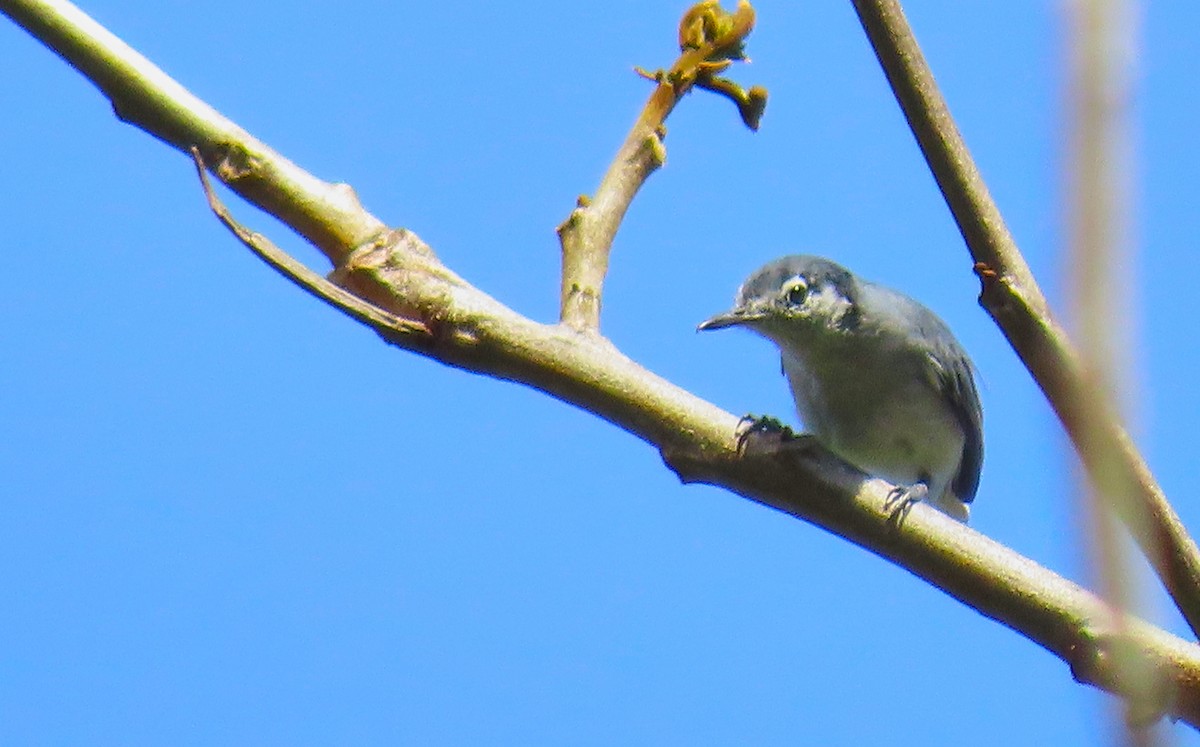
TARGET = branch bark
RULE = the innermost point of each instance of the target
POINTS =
(451, 321)
(328, 215)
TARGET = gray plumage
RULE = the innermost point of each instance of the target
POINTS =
(878, 378)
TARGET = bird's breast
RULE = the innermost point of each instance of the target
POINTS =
(879, 412)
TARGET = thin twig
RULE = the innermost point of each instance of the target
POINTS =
(388, 325)
(1012, 297)
(587, 234)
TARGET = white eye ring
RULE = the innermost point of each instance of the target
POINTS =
(795, 291)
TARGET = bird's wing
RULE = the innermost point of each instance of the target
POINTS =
(954, 377)
(957, 382)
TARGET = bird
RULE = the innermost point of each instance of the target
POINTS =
(877, 377)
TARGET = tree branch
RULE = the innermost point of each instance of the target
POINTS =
(388, 325)
(1012, 297)
(710, 39)
(328, 215)
(458, 324)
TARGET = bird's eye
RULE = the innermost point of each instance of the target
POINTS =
(795, 291)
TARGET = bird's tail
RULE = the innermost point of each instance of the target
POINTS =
(950, 505)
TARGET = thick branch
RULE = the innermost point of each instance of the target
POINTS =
(458, 324)
(1012, 297)
(328, 215)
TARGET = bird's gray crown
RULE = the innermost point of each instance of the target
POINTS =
(816, 271)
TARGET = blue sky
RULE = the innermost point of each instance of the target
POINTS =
(232, 516)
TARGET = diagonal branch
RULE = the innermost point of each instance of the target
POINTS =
(459, 325)
(1012, 297)
(328, 215)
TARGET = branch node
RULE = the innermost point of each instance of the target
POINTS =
(388, 325)
(1115, 660)
(349, 194)
(708, 27)
(571, 222)
(654, 77)
(751, 104)
(656, 154)
(234, 162)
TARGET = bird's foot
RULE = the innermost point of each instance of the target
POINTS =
(765, 424)
(901, 499)
(762, 425)
(770, 434)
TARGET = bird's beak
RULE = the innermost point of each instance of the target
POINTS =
(731, 318)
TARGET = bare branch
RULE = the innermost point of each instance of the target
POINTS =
(710, 40)
(328, 215)
(1012, 297)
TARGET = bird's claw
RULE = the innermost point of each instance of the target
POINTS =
(901, 499)
(763, 425)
